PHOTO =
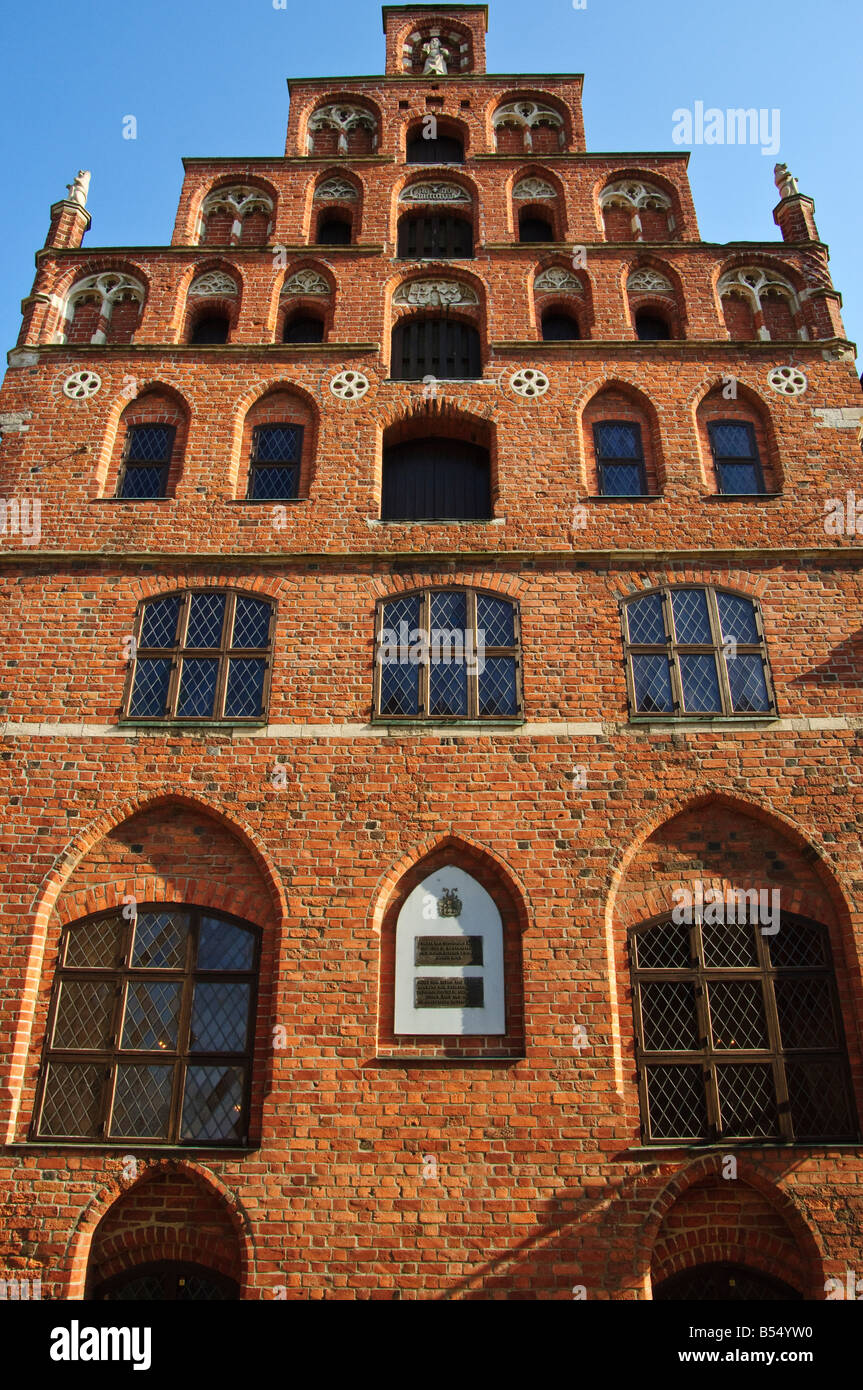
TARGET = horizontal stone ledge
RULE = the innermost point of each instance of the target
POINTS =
(507, 559)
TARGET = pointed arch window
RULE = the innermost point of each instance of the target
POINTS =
(738, 1028)
(696, 652)
(146, 462)
(150, 1031)
(201, 655)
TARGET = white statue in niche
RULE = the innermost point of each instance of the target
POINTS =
(78, 190)
(435, 56)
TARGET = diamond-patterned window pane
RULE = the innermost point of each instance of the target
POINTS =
(206, 616)
(448, 689)
(617, 441)
(196, 1288)
(274, 483)
(700, 683)
(495, 619)
(732, 440)
(224, 946)
(820, 1103)
(676, 1102)
(94, 944)
(402, 610)
(146, 1288)
(691, 620)
(84, 1012)
(72, 1094)
(668, 1016)
(278, 443)
(497, 687)
(150, 691)
(160, 940)
(449, 610)
(150, 1018)
(663, 947)
(739, 478)
(652, 681)
(244, 698)
(805, 1008)
(737, 1014)
(644, 617)
(198, 686)
(726, 945)
(797, 946)
(399, 688)
(747, 1099)
(142, 484)
(213, 1103)
(737, 618)
(220, 1016)
(747, 683)
(159, 626)
(142, 1101)
(150, 443)
(622, 480)
(251, 622)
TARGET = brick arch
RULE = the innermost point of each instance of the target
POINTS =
(511, 899)
(621, 394)
(777, 1241)
(543, 98)
(95, 264)
(647, 176)
(178, 321)
(412, 125)
(314, 208)
(138, 1245)
(390, 585)
(435, 416)
(672, 305)
(107, 460)
(240, 178)
(750, 404)
(556, 207)
(580, 305)
(244, 404)
(476, 314)
(281, 402)
(443, 25)
(339, 98)
(278, 307)
(472, 212)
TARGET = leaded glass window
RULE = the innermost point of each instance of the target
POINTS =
(146, 461)
(274, 470)
(735, 456)
(150, 1031)
(202, 654)
(696, 651)
(619, 458)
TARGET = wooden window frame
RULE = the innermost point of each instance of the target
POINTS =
(424, 220)
(163, 467)
(708, 1057)
(255, 463)
(224, 653)
(433, 327)
(182, 1055)
(672, 649)
(472, 715)
(754, 460)
(638, 460)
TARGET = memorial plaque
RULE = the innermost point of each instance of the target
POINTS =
(447, 992)
(448, 950)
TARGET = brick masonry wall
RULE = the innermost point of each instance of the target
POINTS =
(380, 1170)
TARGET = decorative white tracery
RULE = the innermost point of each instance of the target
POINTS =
(434, 293)
(81, 385)
(533, 188)
(648, 281)
(752, 283)
(349, 386)
(632, 195)
(336, 190)
(529, 382)
(527, 114)
(788, 381)
(434, 193)
(214, 282)
(109, 287)
(239, 200)
(557, 278)
(342, 119)
(306, 282)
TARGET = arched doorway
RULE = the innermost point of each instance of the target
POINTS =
(168, 1281)
(724, 1283)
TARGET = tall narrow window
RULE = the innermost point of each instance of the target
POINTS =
(696, 652)
(739, 1033)
(202, 655)
(444, 348)
(151, 1029)
(619, 458)
(735, 456)
(146, 461)
(448, 654)
(274, 472)
(210, 329)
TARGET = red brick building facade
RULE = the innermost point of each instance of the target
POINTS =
(437, 362)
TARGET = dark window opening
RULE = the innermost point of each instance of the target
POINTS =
(436, 479)
(725, 1283)
(168, 1281)
(558, 327)
(303, 328)
(443, 348)
(735, 457)
(445, 149)
(619, 458)
(532, 228)
(274, 470)
(435, 237)
(211, 328)
(334, 231)
(146, 460)
(650, 328)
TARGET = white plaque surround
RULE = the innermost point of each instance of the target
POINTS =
(477, 917)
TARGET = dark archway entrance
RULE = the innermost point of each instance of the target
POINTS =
(724, 1283)
(168, 1281)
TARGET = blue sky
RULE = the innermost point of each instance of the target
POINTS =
(209, 79)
